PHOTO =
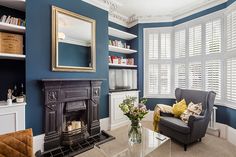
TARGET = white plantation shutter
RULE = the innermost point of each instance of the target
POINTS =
(195, 75)
(157, 72)
(180, 76)
(195, 40)
(153, 79)
(165, 46)
(231, 80)
(165, 79)
(153, 46)
(231, 31)
(213, 36)
(180, 43)
(213, 77)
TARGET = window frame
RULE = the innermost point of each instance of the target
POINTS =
(159, 61)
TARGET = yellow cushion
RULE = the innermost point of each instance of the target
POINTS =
(179, 108)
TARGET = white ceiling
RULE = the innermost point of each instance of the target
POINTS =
(130, 12)
(148, 8)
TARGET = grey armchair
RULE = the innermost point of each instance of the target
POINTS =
(197, 125)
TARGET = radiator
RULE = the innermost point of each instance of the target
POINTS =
(213, 119)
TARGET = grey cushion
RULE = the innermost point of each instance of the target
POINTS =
(175, 124)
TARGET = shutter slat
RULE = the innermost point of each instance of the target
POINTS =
(195, 76)
(195, 40)
(180, 76)
(231, 80)
(213, 77)
(180, 41)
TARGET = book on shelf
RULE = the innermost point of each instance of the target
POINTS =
(12, 20)
(121, 60)
(118, 43)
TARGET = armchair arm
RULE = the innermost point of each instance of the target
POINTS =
(198, 126)
(195, 119)
(166, 114)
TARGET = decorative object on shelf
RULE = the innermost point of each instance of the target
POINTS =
(9, 96)
(11, 43)
(21, 97)
(15, 96)
(135, 114)
(110, 61)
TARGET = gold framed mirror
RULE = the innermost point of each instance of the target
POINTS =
(73, 42)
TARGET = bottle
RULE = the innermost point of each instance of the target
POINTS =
(14, 94)
(22, 90)
(15, 91)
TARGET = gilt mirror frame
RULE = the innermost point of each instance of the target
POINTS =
(54, 53)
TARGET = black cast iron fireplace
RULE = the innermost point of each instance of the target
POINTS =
(71, 116)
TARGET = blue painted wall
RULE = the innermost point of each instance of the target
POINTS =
(117, 26)
(73, 55)
(226, 116)
(38, 50)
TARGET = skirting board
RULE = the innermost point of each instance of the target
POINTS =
(38, 141)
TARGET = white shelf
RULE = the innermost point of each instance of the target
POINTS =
(122, 65)
(120, 34)
(12, 56)
(121, 50)
(13, 28)
(14, 4)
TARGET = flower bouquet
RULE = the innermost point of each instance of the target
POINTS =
(135, 113)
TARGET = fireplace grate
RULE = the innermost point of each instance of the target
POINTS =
(80, 147)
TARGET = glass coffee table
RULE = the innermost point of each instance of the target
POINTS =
(153, 144)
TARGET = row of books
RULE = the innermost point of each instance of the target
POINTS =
(121, 60)
(122, 79)
(12, 20)
(118, 43)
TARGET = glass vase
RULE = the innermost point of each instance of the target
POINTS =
(135, 132)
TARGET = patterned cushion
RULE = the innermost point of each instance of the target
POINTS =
(193, 109)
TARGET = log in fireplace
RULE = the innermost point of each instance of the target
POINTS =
(71, 111)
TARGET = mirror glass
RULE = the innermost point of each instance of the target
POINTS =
(74, 42)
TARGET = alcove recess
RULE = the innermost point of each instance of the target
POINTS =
(12, 66)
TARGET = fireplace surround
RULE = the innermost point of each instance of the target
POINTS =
(71, 111)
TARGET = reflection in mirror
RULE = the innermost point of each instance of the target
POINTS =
(74, 43)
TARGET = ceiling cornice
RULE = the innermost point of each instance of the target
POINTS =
(112, 5)
(108, 5)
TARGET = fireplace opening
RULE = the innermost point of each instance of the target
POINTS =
(75, 122)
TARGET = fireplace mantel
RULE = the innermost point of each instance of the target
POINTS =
(59, 92)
